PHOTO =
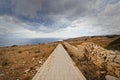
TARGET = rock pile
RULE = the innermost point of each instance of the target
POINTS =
(105, 59)
(108, 61)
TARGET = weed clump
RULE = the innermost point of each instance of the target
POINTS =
(19, 51)
(14, 46)
(37, 51)
(4, 62)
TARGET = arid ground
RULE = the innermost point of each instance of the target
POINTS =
(22, 62)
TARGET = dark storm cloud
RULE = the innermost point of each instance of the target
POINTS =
(48, 12)
(52, 15)
(35, 8)
(5, 7)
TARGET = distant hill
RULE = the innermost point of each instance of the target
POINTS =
(115, 45)
(102, 41)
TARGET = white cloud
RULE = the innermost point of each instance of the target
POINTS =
(68, 18)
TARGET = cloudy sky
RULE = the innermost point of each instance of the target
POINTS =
(59, 18)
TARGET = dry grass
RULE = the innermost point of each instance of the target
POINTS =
(102, 41)
(16, 60)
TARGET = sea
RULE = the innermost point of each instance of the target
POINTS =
(26, 41)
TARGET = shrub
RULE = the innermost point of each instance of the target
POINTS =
(13, 45)
(0, 53)
(115, 45)
(5, 62)
(19, 51)
(37, 51)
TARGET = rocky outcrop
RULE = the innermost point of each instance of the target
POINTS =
(108, 61)
(105, 59)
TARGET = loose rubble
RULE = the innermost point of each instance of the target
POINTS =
(106, 60)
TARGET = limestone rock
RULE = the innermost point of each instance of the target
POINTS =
(102, 58)
(2, 74)
(26, 71)
(117, 59)
(109, 77)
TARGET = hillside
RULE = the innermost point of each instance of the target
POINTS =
(114, 45)
(22, 62)
(102, 41)
(97, 57)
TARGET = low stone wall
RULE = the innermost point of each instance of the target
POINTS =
(108, 61)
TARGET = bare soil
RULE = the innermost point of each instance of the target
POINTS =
(22, 62)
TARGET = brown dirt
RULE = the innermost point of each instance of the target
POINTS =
(88, 68)
(22, 62)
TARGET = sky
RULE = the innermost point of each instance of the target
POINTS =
(58, 18)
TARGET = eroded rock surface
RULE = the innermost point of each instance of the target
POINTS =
(106, 62)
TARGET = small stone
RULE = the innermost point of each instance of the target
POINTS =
(26, 71)
(2, 74)
(33, 59)
(111, 57)
(102, 72)
(109, 77)
(24, 62)
(117, 59)
(113, 53)
(37, 68)
(117, 72)
(0, 66)
(115, 64)
(7, 72)
(40, 62)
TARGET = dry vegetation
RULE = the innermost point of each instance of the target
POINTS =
(22, 62)
(95, 67)
(102, 41)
